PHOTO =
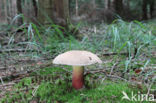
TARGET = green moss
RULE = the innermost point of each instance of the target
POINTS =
(60, 89)
(153, 61)
(105, 92)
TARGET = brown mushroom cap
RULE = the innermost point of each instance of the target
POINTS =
(77, 58)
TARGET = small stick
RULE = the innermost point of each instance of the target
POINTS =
(1, 80)
(113, 68)
(8, 84)
(34, 91)
(19, 50)
(113, 76)
(114, 53)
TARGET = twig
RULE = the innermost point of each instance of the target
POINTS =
(113, 68)
(1, 80)
(114, 53)
(19, 50)
(113, 76)
(8, 84)
(21, 90)
(66, 70)
(8, 67)
(24, 73)
(95, 71)
(103, 71)
(34, 91)
(15, 75)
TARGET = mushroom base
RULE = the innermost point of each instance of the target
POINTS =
(77, 77)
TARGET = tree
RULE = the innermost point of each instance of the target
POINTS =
(145, 5)
(106, 4)
(3, 11)
(45, 11)
(19, 11)
(35, 7)
(62, 11)
(56, 10)
(109, 3)
(118, 6)
(76, 8)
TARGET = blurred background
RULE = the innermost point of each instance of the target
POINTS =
(39, 11)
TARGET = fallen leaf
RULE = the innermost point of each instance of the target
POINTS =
(137, 71)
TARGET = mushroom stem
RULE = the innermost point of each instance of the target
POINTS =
(77, 77)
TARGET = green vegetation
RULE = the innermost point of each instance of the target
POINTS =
(53, 85)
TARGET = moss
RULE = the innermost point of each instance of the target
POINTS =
(60, 89)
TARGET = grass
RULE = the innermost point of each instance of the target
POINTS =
(53, 85)
(133, 37)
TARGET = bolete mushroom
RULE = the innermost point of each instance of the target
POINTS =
(78, 59)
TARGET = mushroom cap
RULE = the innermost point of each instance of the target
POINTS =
(77, 58)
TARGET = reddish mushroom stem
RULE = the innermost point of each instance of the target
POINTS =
(77, 78)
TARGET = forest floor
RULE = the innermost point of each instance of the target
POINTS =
(128, 52)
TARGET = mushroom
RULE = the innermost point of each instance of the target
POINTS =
(78, 59)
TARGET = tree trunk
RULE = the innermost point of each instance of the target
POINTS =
(2, 12)
(152, 8)
(45, 11)
(127, 4)
(59, 8)
(55, 10)
(62, 12)
(5, 10)
(118, 6)
(35, 7)
(19, 11)
(144, 9)
(145, 5)
(109, 3)
(106, 4)
(76, 8)
(94, 4)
